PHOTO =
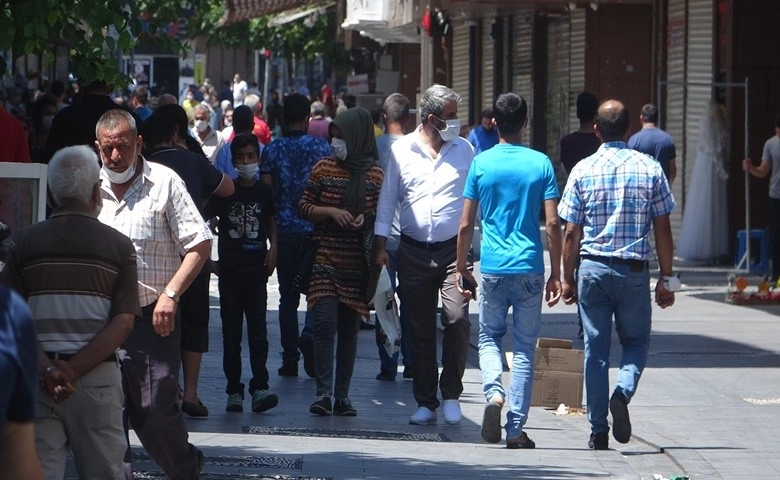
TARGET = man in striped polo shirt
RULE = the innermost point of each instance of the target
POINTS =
(79, 277)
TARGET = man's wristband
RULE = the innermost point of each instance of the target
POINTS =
(671, 283)
(47, 371)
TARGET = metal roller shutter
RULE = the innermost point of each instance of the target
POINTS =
(461, 56)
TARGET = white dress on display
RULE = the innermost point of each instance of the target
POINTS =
(704, 232)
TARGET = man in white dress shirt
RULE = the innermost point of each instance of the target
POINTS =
(425, 176)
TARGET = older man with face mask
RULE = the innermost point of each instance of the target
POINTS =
(424, 177)
(149, 203)
(210, 140)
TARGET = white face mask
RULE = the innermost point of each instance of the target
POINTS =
(247, 171)
(119, 177)
(201, 125)
(452, 130)
(339, 147)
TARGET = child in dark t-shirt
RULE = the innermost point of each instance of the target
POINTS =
(246, 228)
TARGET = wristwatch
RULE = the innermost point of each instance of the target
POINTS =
(672, 283)
(168, 292)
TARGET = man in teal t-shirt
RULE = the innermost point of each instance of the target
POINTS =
(509, 184)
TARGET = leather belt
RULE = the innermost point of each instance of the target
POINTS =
(68, 356)
(429, 246)
(634, 265)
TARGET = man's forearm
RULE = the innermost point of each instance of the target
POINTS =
(191, 265)
(571, 248)
(664, 243)
(103, 344)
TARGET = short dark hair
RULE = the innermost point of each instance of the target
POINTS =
(396, 108)
(243, 119)
(510, 111)
(296, 108)
(777, 121)
(487, 113)
(587, 104)
(242, 140)
(57, 88)
(176, 114)
(158, 128)
(650, 113)
(612, 122)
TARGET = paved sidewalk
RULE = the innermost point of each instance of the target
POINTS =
(707, 407)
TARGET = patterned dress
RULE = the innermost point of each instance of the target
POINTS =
(340, 265)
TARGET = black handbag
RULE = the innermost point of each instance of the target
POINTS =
(307, 252)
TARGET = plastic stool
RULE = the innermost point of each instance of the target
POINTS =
(760, 235)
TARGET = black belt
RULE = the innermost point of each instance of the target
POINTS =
(68, 356)
(635, 265)
(430, 246)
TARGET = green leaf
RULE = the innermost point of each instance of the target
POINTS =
(41, 31)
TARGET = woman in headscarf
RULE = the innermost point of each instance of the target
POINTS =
(340, 199)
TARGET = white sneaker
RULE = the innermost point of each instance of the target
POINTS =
(423, 416)
(452, 413)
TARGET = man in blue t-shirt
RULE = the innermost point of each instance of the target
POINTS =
(286, 164)
(484, 136)
(653, 141)
(509, 184)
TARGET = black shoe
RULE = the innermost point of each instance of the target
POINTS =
(288, 370)
(621, 423)
(520, 442)
(366, 326)
(385, 377)
(321, 406)
(343, 407)
(194, 409)
(599, 441)
(306, 346)
(408, 373)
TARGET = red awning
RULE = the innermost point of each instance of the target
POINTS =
(239, 10)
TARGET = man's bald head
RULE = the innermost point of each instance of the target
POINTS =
(612, 121)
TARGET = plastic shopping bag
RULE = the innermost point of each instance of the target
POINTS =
(387, 312)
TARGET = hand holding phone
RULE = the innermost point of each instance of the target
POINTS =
(465, 284)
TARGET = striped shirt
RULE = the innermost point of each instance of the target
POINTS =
(614, 194)
(76, 274)
(341, 263)
(161, 220)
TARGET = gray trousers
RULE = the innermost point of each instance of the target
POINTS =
(423, 275)
(150, 372)
(330, 317)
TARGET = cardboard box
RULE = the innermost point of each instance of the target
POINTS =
(553, 388)
(559, 360)
(553, 342)
(558, 374)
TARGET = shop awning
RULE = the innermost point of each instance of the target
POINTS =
(240, 10)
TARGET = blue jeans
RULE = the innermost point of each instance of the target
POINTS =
(524, 293)
(605, 290)
(387, 364)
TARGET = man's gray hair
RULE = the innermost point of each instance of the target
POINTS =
(253, 101)
(72, 173)
(433, 100)
(200, 108)
(112, 119)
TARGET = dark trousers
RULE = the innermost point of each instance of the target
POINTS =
(331, 317)
(194, 308)
(150, 372)
(286, 266)
(389, 365)
(244, 293)
(424, 274)
(774, 237)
